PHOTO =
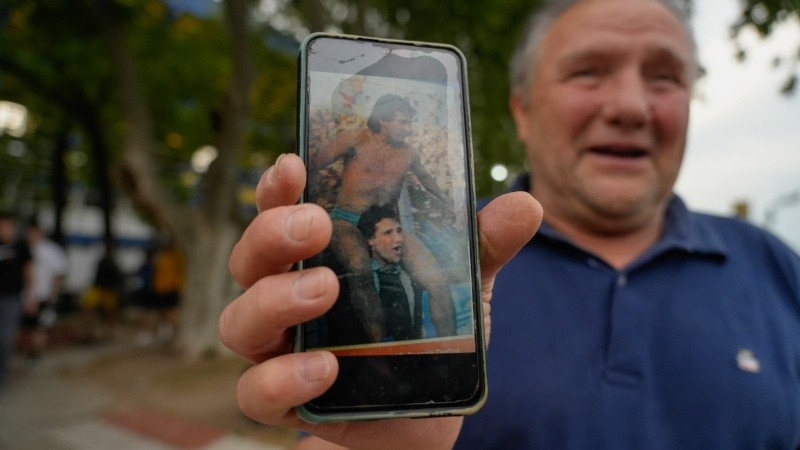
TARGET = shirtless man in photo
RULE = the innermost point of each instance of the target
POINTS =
(377, 161)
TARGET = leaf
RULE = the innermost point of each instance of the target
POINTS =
(790, 85)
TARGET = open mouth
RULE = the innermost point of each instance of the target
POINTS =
(619, 152)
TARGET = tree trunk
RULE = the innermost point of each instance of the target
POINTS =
(101, 164)
(209, 284)
(58, 174)
(207, 235)
(209, 288)
(138, 170)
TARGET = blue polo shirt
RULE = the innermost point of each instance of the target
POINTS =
(695, 345)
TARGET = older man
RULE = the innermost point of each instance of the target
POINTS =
(628, 322)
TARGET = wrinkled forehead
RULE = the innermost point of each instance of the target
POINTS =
(594, 25)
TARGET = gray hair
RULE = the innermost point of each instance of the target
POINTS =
(523, 60)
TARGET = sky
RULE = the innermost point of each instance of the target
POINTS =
(744, 135)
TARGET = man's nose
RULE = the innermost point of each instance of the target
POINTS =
(627, 102)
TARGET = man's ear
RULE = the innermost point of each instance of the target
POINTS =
(519, 111)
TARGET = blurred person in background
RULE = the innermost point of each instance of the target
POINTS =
(144, 297)
(161, 279)
(50, 269)
(16, 289)
(627, 322)
(100, 303)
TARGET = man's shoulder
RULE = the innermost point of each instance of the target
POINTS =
(752, 246)
(351, 139)
(736, 231)
(359, 137)
(714, 233)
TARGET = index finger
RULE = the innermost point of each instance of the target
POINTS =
(282, 183)
(276, 239)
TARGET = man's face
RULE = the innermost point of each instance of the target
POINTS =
(605, 119)
(387, 243)
(34, 234)
(8, 230)
(397, 130)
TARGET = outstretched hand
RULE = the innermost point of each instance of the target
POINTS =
(259, 325)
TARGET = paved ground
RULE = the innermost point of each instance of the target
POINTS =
(54, 405)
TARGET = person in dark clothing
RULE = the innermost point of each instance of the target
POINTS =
(16, 289)
(398, 315)
(103, 298)
(381, 226)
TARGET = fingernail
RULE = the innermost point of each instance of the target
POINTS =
(315, 367)
(309, 285)
(298, 224)
(272, 175)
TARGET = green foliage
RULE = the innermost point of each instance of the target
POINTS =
(61, 70)
(763, 16)
(50, 65)
(274, 99)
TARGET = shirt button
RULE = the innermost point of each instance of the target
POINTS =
(622, 280)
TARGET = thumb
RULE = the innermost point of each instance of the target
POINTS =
(505, 225)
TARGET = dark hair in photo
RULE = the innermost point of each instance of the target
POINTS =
(373, 215)
(386, 108)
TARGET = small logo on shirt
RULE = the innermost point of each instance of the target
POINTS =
(747, 361)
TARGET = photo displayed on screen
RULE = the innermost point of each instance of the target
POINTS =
(386, 153)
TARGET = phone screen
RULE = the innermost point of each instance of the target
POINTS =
(384, 132)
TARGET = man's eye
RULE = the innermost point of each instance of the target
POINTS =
(665, 73)
(664, 76)
(668, 78)
(585, 72)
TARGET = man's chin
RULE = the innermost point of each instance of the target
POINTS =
(624, 210)
(621, 193)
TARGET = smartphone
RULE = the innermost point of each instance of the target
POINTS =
(384, 131)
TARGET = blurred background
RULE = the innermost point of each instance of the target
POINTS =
(134, 128)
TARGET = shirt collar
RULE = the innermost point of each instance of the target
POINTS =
(390, 268)
(683, 230)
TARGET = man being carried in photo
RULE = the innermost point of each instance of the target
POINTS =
(376, 163)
